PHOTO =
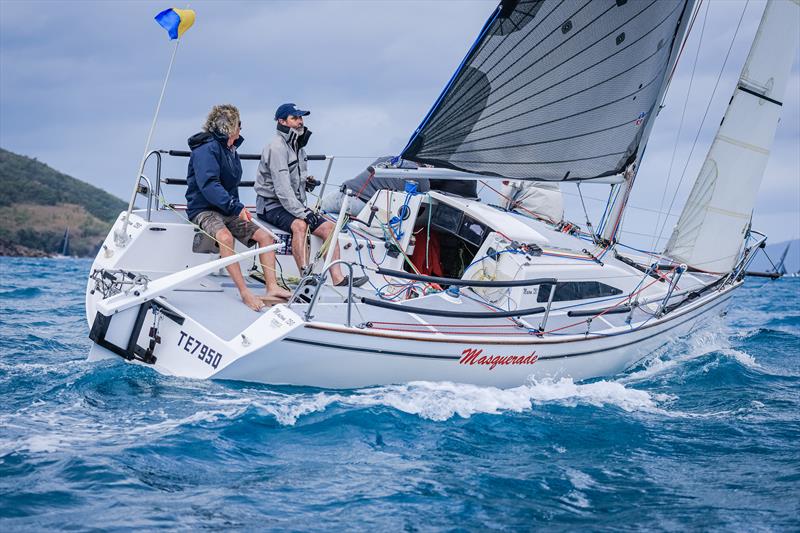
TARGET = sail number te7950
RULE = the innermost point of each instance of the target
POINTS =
(203, 352)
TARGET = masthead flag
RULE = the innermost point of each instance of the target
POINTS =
(175, 21)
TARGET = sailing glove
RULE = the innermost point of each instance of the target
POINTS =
(313, 220)
(311, 183)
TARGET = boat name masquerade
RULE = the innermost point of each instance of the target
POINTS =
(472, 356)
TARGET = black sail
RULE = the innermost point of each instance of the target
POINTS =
(555, 90)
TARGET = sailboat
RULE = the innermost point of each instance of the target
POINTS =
(550, 91)
(780, 268)
(64, 248)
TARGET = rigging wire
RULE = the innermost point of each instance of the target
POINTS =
(705, 115)
(586, 214)
(680, 126)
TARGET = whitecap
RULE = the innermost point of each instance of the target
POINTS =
(441, 401)
(741, 357)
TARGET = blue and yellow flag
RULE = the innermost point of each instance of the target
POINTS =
(175, 21)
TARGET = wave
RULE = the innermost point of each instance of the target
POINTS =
(26, 292)
(50, 428)
(440, 401)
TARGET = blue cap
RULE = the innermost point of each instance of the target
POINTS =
(285, 110)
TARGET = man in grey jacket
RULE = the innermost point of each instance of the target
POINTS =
(281, 184)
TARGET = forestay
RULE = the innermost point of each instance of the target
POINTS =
(554, 90)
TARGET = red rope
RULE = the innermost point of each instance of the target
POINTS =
(627, 298)
(518, 205)
(371, 175)
(453, 332)
(445, 325)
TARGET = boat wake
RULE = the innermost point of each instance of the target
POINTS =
(714, 338)
(442, 400)
(203, 404)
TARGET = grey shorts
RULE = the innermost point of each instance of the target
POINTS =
(212, 221)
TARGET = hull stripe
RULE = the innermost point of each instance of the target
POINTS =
(450, 357)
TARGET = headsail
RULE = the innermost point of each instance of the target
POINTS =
(554, 90)
(712, 227)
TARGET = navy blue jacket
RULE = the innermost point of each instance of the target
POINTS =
(214, 175)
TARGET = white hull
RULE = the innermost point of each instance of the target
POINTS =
(342, 360)
(280, 347)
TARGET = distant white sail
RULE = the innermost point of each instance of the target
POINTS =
(710, 232)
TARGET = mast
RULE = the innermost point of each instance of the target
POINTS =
(713, 226)
(622, 192)
(781, 268)
(65, 242)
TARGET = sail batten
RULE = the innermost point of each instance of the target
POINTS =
(554, 89)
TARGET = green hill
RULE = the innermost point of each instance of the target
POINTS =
(37, 203)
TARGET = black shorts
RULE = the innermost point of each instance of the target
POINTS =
(282, 219)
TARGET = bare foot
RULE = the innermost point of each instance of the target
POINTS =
(252, 301)
(279, 292)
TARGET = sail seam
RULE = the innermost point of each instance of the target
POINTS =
(742, 144)
(472, 101)
(584, 134)
(543, 162)
(460, 86)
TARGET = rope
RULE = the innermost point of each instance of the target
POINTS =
(586, 213)
(622, 301)
(626, 299)
(680, 125)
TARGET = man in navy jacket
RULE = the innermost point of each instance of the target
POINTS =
(212, 197)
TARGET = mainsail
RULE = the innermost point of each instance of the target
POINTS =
(555, 90)
(711, 230)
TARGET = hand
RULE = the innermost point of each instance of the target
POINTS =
(245, 215)
(311, 183)
(312, 219)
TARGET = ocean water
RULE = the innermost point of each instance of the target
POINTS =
(703, 435)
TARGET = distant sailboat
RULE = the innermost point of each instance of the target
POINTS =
(781, 267)
(65, 244)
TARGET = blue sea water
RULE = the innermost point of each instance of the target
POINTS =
(703, 435)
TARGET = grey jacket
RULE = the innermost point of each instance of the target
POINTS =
(282, 172)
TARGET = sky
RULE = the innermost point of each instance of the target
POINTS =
(79, 83)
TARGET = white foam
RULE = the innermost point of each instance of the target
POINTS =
(289, 409)
(743, 358)
(579, 480)
(713, 337)
(67, 426)
(444, 400)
